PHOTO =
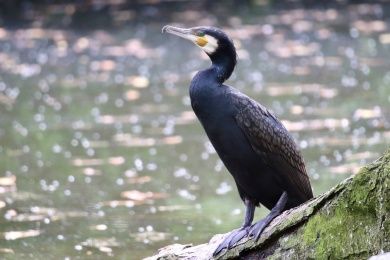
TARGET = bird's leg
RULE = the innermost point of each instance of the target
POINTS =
(257, 228)
(244, 230)
(249, 213)
(237, 234)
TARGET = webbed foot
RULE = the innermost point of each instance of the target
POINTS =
(257, 229)
(232, 239)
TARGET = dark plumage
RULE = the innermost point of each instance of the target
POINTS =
(252, 143)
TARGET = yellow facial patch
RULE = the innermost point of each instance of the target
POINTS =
(201, 41)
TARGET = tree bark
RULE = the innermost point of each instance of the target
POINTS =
(351, 221)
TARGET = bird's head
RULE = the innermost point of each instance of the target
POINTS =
(214, 42)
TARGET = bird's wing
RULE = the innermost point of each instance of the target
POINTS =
(270, 139)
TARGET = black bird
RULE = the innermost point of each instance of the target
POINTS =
(255, 147)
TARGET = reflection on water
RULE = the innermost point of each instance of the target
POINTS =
(101, 154)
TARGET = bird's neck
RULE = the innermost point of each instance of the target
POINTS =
(223, 66)
(204, 86)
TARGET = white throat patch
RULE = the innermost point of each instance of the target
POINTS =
(211, 45)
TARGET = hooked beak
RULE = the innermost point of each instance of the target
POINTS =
(181, 32)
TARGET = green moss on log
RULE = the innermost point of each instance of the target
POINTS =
(353, 224)
(349, 225)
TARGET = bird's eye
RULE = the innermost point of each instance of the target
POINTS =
(200, 34)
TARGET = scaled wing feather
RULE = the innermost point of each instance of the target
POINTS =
(270, 139)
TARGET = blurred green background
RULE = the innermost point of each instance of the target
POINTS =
(101, 155)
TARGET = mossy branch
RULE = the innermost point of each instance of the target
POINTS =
(351, 221)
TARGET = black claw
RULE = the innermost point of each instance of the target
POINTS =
(257, 229)
(217, 251)
(240, 234)
(231, 240)
(223, 245)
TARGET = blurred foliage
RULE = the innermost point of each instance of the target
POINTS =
(115, 13)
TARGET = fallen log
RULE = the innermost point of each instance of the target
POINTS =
(351, 221)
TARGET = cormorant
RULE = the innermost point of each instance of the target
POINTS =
(253, 144)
